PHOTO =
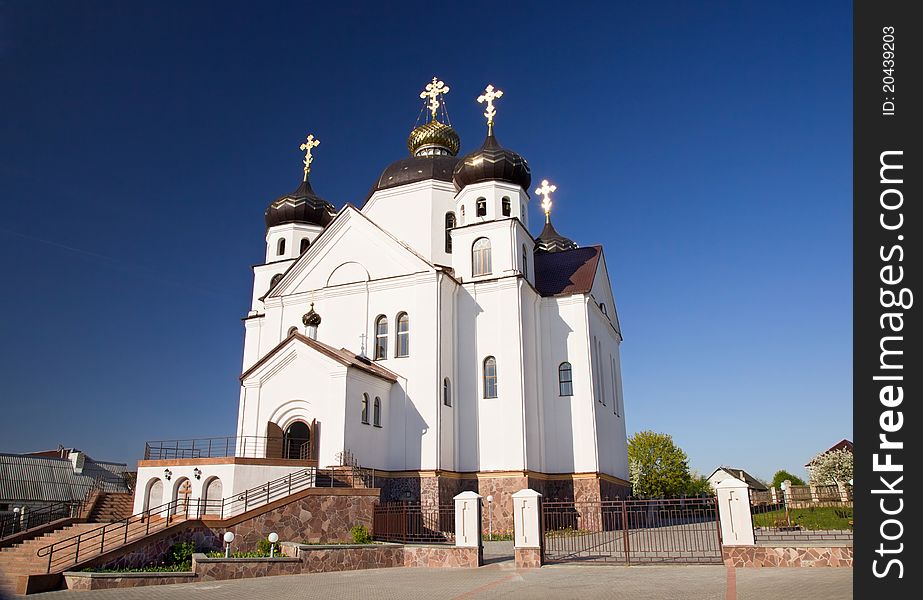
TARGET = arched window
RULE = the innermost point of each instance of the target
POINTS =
(490, 377)
(376, 412)
(565, 379)
(447, 392)
(602, 307)
(292, 330)
(280, 249)
(381, 338)
(365, 409)
(525, 262)
(305, 244)
(275, 279)
(506, 207)
(449, 226)
(403, 335)
(480, 257)
(481, 206)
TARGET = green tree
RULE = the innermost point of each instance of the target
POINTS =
(699, 485)
(783, 475)
(657, 467)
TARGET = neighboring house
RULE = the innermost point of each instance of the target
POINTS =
(841, 445)
(722, 473)
(64, 475)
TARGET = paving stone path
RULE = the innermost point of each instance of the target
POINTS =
(501, 580)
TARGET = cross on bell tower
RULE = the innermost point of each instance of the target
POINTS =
(490, 94)
(545, 190)
(309, 144)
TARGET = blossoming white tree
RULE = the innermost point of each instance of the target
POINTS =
(832, 467)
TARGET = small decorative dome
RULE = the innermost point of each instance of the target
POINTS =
(433, 138)
(311, 318)
(301, 206)
(492, 162)
(552, 241)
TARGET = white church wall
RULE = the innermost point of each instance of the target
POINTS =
(447, 344)
(506, 239)
(415, 214)
(533, 396)
(293, 234)
(610, 415)
(489, 326)
(279, 392)
(493, 194)
(262, 279)
(368, 443)
(569, 432)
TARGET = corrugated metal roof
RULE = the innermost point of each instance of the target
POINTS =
(46, 479)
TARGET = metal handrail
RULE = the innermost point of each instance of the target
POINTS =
(21, 522)
(244, 446)
(119, 532)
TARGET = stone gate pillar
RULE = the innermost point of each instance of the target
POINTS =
(734, 512)
(527, 529)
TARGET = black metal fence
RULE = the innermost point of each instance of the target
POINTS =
(802, 513)
(15, 522)
(664, 530)
(412, 522)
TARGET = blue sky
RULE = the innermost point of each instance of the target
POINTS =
(706, 145)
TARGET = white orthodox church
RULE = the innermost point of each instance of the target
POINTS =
(428, 334)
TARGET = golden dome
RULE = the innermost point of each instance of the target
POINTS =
(433, 138)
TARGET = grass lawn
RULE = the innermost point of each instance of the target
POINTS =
(825, 517)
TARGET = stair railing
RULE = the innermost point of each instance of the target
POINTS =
(20, 522)
(66, 553)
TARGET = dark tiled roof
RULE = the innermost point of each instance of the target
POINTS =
(52, 479)
(841, 445)
(566, 272)
(747, 478)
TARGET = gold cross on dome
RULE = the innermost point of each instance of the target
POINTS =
(306, 147)
(433, 91)
(545, 191)
(489, 95)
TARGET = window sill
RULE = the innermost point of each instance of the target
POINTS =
(377, 426)
(365, 422)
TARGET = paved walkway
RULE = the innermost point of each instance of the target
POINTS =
(501, 580)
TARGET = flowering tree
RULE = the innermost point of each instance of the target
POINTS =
(831, 467)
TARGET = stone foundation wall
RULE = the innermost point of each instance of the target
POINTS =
(347, 558)
(151, 551)
(321, 517)
(218, 569)
(767, 556)
(106, 581)
(502, 489)
(528, 558)
(442, 557)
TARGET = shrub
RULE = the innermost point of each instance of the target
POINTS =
(180, 554)
(361, 535)
(264, 546)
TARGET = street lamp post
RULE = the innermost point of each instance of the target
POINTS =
(490, 518)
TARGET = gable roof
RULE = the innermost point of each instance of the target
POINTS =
(841, 445)
(747, 478)
(566, 272)
(328, 232)
(343, 356)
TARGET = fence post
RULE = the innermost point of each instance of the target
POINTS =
(468, 523)
(527, 529)
(844, 493)
(734, 512)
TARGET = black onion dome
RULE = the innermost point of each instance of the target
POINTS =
(493, 162)
(301, 206)
(311, 318)
(550, 240)
(416, 168)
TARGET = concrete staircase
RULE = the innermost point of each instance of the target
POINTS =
(112, 507)
(21, 559)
